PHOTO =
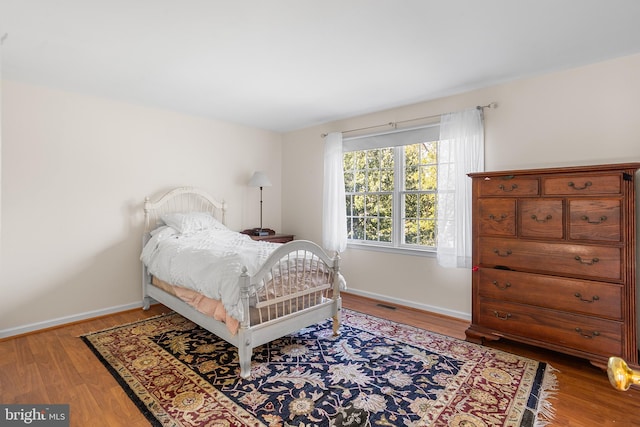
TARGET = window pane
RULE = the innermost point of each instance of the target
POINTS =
(371, 229)
(358, 206)
(386, 205)
(372, 205)
(359, 181)
(412, 155)
(385, 229)
(428, 177)
(410, 206)
(360, 159)
(411, 178)
(348, 161)
(411, 231)
(386, 158)
(373, 159)
(349, 205)
(358, 228)
(386, 180)
(348, 181)
(428, 232)
(373, 180)
(429, 153)
(427, 206)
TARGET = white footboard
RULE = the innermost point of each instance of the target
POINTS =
(296, 276)
(298, 285)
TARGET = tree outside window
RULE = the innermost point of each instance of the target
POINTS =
(391, 195)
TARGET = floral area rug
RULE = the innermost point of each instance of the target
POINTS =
(375, 373)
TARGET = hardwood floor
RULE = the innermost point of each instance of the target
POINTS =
(55, 366)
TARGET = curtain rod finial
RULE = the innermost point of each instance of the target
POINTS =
(489, 105)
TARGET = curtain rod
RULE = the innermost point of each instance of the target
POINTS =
(395, 124)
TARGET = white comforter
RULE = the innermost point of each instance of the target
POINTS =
(209, 261)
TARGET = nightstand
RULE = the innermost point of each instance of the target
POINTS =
(272, 237)
(275, 238)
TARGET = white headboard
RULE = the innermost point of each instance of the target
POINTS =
(182, 199)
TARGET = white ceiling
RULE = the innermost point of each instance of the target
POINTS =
(289, 64)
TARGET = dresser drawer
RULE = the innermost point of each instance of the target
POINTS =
(497, 217)
(573, 295)
(589, 334)
(508, 186)
(582, 185)
(595, 219)
(541, 218)
(588, 261)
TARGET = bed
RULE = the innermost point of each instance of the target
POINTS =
(255, 293)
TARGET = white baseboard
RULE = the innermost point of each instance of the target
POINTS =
(425, 307)
(19, 330)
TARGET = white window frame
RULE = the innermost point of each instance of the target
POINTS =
(397, 139)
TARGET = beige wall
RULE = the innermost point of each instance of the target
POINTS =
(587, 115)
(75, 171)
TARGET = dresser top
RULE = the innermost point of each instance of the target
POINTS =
(555, 170)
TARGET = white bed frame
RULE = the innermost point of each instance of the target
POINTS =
(319, 305)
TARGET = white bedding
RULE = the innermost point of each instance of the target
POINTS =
(208, 261)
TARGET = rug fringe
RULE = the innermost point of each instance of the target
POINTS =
(545, 412)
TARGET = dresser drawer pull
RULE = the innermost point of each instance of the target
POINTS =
(584, 187)
(499, 286)
(593, 298)
(592, 335)
(505, 254)
(505, 316)
(598, 221)
(503, 188)
(535, 218)
(496, 219)
(585, 262)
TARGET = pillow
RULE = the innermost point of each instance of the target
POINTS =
(191, 222)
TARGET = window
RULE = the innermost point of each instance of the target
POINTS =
(390, 188)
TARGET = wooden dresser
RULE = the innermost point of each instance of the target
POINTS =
(554, 255)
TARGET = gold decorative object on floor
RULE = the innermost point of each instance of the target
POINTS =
(620, 375)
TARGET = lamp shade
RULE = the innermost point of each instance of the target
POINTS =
(259, 179)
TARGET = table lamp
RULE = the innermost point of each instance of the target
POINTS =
(260, 179)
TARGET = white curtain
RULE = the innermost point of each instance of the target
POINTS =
(334, 210)
(460, 151)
